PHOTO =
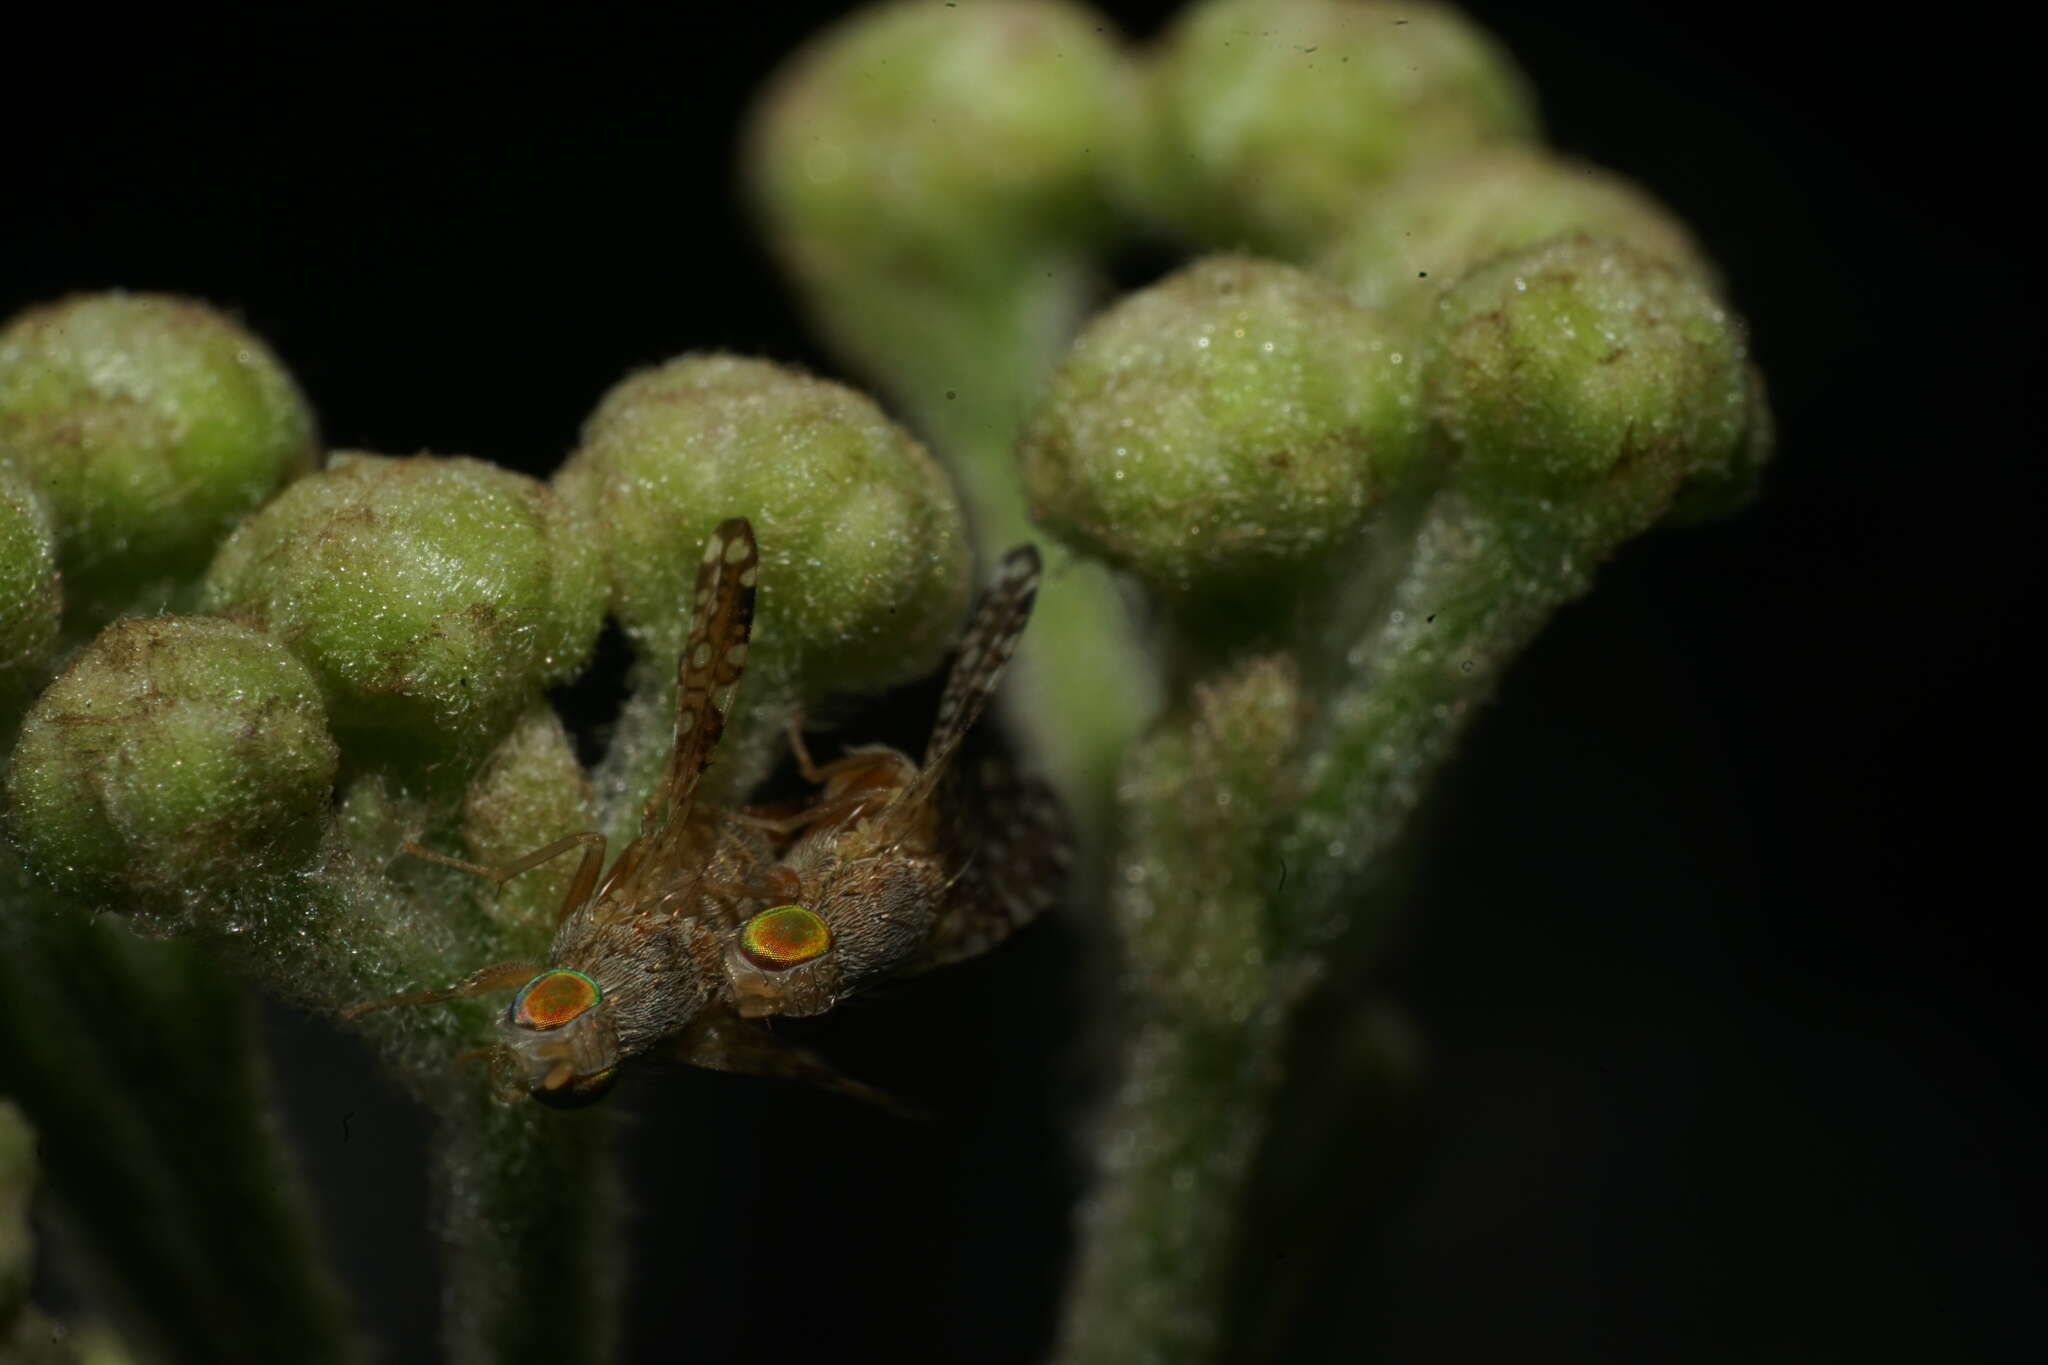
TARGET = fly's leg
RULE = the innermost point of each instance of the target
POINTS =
(579, 889)
(721, 1042)
(827, 812)
(505, 973)
(855, 784)
(493, 978)
(810, 770)
(777, 883)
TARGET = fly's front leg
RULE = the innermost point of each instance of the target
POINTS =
(493, 978)
(874, 766)
(579, 889)
(804, 765)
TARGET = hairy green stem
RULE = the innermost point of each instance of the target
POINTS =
(1480, 584)
(1157, 1235)
(531, 1224)
(152, 1132)
(1212, 997)
(972, 400)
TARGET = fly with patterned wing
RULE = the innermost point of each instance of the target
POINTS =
(636, 967)
(903, 866)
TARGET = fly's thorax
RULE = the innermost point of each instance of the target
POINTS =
(880, 908)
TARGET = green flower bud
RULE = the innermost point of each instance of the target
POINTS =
(174, 760)
(1583, 370)
(1223, 431)
(30, 599)
(864, 562)
(937, 139)
(1267, 119)
(150, 425)
(1720, 490)
(933, 177)
(1423, 232)
(531, 792)
(433, 598)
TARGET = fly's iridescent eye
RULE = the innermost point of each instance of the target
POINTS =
(554, 998)
(784, 937)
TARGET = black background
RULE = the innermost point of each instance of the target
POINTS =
(1723, 957)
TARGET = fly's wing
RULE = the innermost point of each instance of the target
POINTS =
(1009, 839)
(707, 675)
(985, 649)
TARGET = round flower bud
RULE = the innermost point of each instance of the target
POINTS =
(864, 560)
(30, 600)
(1584, 367)
(1719, 490)
(434, 598)
(937, 139)
(1421, 233)
(150, 425)
(174, 760)
(529, 793)
(1265, 120)
(1229, 427)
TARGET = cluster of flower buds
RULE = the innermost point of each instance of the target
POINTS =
(1318, 487)
(358, 655)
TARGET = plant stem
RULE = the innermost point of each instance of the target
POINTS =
(153, 1131)
(531, 1223)
(971, 400)
(1221, 951)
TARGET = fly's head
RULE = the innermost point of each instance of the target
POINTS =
(783, 960)
(857, 923)
(560, 1033)
(877, 873)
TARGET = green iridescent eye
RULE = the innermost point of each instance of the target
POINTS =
(553, 998)
(784, 937)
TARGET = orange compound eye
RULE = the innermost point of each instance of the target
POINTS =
(554, 998)
(784, 937)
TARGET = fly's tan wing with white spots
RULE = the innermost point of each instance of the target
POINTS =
(1010, 837)
(1006, 833)
(985, 649)
(707, 674)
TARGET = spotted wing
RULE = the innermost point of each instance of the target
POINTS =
(707, 673)
(1009, 838)
(985, 649)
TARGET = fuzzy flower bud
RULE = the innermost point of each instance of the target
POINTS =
(30, 600)
(175, 758)
(864, 562)
(531, 792)
(1583, 367)
(1266, 120)
(433, 598)
(150, 425)
(1422, 233)
(1227, 428)
(937, 139)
